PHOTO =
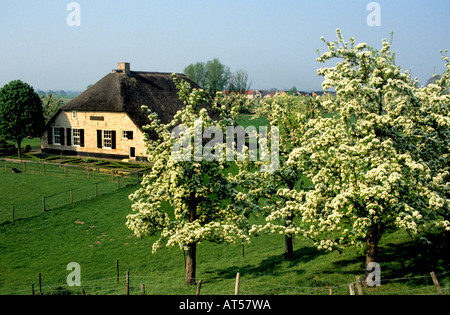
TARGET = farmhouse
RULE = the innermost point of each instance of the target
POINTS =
(106, 120)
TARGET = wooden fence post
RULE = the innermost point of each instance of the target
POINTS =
(13, 213)
(436, 283)
(142, 289)
(43, 164)
(236, 287)
(32, 289)
(43, 203)
(359, 286)
(40, 284)
(199, 285)
(128, 283)
(117, 268)
(351, 286)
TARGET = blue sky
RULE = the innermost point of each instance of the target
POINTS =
(274, 41)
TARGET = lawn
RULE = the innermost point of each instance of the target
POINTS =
(93, 234)
(25, 191)
(91, 231)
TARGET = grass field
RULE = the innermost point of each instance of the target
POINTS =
(25, 191)
(93, 234)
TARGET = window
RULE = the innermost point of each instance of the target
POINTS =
(127, 135)
(76, 137)
(74, 115)
(57, 136)
(107, 139)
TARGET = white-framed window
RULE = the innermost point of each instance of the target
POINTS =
(76, 137)
(107, 139)
(57, 136)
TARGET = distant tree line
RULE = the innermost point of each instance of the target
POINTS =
(61, 94)
(214, 76)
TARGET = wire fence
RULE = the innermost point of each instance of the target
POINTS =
(82, 183)
(129, 284)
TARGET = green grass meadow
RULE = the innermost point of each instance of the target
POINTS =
(92, 233)
(25, 191)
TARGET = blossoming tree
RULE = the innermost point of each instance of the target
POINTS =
(381, 160)
(203, 202)
(278, 190)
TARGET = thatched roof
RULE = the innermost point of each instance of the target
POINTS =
(122, 91)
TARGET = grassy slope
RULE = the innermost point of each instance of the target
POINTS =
(25, 190)
(93, 234)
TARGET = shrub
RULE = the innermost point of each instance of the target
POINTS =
(6, 148)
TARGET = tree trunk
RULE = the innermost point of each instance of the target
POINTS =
(191, 264)
(373, 237)
(289, 248)
(372, 244)
(192, 251)
(288, 240)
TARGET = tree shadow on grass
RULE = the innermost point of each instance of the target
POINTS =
(273, 265)
(407, 260)
(415, 258)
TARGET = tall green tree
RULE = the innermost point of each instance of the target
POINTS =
(51, 105)
(197, 73)
(21, 113)
(212, 75)
(238, 82)
(217, 75)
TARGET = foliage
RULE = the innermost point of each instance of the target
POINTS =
(204, 200)
(197, 73)
(238, 82)
(20, 112)
(215, 76)
(278, 190)
(212, 75)
(382, 159)
(51, 105)
(236, 103)
(292, 91)
(5, 147)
